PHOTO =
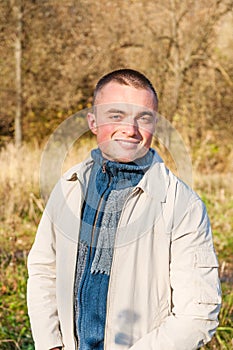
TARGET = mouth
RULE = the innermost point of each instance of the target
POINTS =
(127, 143)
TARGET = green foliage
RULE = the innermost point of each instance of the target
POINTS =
(15, 330)
(223, 339)
(216, 194)
(218, 198)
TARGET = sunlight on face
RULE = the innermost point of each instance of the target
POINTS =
(123, 121)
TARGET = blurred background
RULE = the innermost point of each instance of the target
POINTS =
(52, 52)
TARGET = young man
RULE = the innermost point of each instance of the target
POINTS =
(123, 257)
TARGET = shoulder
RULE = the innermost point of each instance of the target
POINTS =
(76, 172)
(163, 180)
(163, 184)
(73, 180)
(188, 207)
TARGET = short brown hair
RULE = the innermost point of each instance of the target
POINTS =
(126, 77)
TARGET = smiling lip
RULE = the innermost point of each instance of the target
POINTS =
(127, 144)
(127, 141)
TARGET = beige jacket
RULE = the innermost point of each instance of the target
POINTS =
(164, 291)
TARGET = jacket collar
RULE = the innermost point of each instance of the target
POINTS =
(154, 183)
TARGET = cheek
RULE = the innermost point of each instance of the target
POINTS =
(147, 137)
(105, 132)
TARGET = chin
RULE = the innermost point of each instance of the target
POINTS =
(124, 157)
(128, 158)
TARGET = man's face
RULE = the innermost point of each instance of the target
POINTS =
(124, 121)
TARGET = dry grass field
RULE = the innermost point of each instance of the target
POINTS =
(20, 210)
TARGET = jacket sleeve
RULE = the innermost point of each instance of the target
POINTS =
(195, 287)
(41, 289)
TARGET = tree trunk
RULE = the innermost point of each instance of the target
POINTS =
(17, 10)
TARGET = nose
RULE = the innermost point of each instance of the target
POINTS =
(130, 128)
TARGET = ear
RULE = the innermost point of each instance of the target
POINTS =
(91, 119)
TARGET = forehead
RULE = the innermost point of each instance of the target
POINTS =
(114, 93)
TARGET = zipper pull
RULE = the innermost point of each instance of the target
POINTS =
(104, 167)
(74, 177)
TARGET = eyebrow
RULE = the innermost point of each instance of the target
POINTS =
(140, 114)
(114, 110)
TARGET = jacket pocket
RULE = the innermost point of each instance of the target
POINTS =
(207, 281)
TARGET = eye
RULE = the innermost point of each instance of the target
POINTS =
(145, 118)
(116, 117)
